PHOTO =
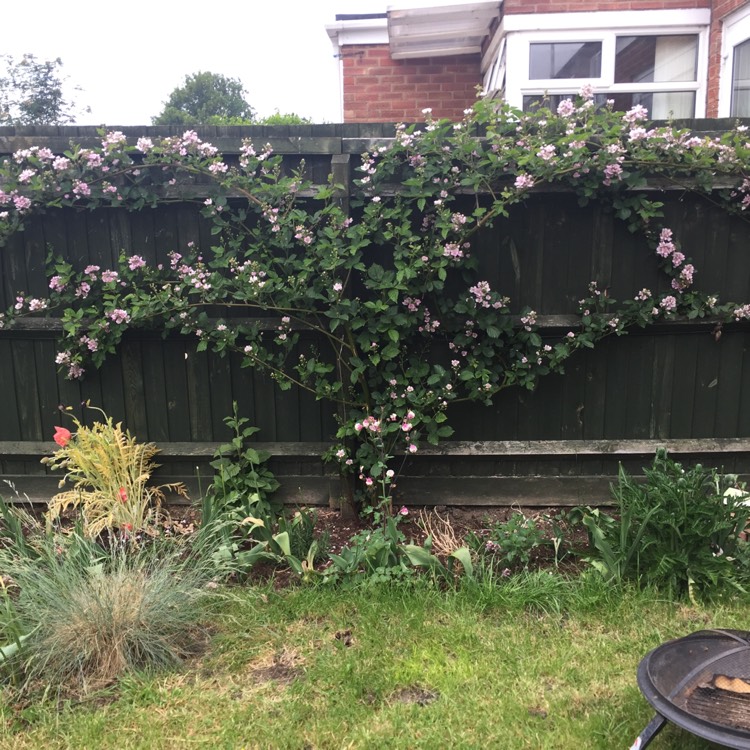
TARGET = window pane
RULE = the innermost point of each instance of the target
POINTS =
(741, 80)
(552, 101)
(661, 105)
(565, 60)
(640, 59)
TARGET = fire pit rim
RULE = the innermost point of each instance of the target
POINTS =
(722, 734)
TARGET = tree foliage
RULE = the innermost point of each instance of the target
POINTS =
(284, 118)
(206, 99)
(31, 92)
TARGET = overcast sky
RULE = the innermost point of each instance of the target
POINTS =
(127, 57)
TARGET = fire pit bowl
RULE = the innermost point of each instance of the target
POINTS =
(701, 683)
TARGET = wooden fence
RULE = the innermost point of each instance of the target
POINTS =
(683, 385)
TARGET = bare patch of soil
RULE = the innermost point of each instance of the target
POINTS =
(415, 694)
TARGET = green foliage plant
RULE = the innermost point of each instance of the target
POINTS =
(110, 471)
(242, 481)
(380, 311)
(677, 530)
(511, 543)
(301, 529)
(423, 557)
(205, 98)
(283, 118)
(237, 557)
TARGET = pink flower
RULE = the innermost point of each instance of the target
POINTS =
(62, 436)
(56, 284)
(404, 511)
(135, 261)
(122, 494)
(119, 316)
(369, 481)
(546, 153)
(669, 303)
(22, 203)
(81, 189)
(524, 182)
(636, 114)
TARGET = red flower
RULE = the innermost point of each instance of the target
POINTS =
(127, 526)
(123, 495)
(62, 436)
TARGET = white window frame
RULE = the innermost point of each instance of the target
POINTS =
(735, 30)
(604, 27)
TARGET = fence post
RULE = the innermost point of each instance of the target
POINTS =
(341, 172)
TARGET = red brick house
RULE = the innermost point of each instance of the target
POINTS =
(681, 58)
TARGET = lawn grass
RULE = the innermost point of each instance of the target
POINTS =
(538, 662)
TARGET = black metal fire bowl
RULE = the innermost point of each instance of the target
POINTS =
(700, 683)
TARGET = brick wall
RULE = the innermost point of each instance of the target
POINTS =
(720, 9)
(378, 89)
(561, 6)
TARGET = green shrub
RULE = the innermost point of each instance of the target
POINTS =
(679, 530)
(242, 481)
(509, 543)
(301, 530)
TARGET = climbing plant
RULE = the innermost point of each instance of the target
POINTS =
(403, 324)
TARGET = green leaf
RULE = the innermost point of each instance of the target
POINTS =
(463, 555)
(282, 540)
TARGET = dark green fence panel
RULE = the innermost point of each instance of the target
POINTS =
(684, 385)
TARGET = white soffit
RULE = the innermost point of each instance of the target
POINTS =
(439, 30)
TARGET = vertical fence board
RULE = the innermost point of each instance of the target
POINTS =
(639, 398)
(729, 387)
(662, 377)
(136, 418)
(198, 384)
(10, 425)
(684, 389)
(743, 403)
(155, 390)
(706, 385)
(46, 379)
(35, 254)
(26, 390)
(100, 240)
(178, 400)
(243, 392)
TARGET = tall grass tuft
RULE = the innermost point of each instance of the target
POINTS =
(93, 615)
